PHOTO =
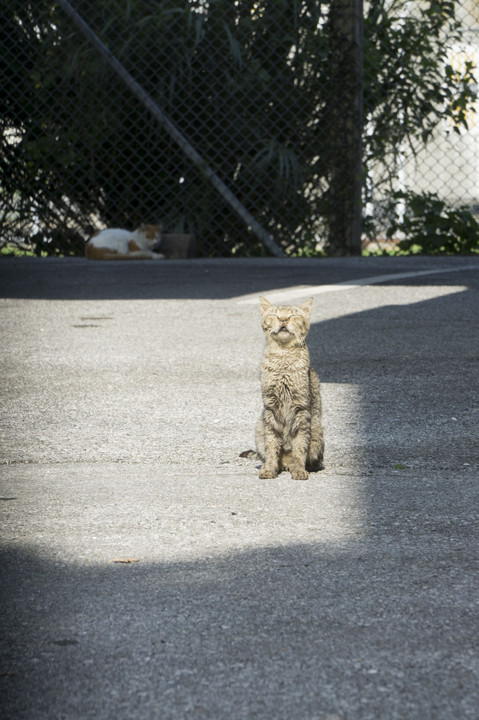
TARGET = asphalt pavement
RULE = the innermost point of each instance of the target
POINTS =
(147, 573)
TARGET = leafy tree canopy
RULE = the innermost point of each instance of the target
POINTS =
(249, 84)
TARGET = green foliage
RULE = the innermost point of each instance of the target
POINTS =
(414, 89)
(410, 85)
(13, 250)
(430, 226)
(250, 85)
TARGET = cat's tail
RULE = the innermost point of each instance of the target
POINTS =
(250, 454)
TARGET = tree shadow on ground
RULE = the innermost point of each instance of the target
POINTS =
(80, 279)
(382, 626)
(415, 377)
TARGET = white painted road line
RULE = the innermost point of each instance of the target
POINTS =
(288, 293)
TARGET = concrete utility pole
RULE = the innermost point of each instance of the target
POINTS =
(346, 123)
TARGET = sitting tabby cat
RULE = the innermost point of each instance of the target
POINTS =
(118, 244)
(289, 434)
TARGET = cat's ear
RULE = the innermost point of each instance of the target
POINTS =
(306, 306)
(265, 305)
(142, 227)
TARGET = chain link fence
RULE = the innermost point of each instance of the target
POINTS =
(258, 126)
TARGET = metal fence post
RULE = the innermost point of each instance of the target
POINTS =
(346, 126)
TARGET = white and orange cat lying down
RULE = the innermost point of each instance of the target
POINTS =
(118, 244)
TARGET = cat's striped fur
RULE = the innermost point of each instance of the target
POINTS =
(289, 434)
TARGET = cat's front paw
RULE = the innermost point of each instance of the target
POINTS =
(299, 473)
(267, 473)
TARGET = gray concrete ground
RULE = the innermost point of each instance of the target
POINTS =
(128, 392)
